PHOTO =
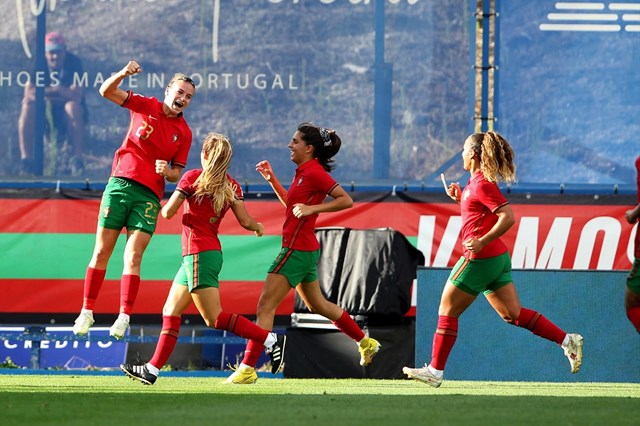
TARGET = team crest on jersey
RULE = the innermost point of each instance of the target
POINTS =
(300, 181)
(175, 138)
(467, 194)
(105, 212)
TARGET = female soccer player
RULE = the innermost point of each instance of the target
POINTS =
(486, 265)
(312, 150)
(209, 192)
(155, 148)
(632, 292)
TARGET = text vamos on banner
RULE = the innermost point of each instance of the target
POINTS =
(600, 242)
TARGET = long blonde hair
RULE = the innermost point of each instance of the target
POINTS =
(213, 181)
(496, 156)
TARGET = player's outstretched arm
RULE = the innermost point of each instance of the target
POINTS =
(110, 88)
(264, 168)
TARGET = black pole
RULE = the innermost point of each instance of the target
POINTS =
(40, 70)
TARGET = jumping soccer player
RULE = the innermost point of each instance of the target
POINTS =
(155, 148)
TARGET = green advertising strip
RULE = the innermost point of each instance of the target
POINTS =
(65, 256)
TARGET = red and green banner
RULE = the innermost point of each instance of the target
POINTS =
(47, 243)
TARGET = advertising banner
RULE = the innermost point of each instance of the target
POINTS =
(61, 354)
(48, 243)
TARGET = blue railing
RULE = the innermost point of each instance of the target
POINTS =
(353, 186)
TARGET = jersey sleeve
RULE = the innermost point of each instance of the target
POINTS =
(237, 187)
(324, 181)
(187, 183)
(490, 195)
(140, 103)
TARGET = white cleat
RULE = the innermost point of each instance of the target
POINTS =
(119, 328)
(423, 375)
(573, 351)
(83, 323)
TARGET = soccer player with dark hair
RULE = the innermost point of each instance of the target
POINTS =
(312, 150)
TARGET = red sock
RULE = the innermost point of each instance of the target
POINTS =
(633, 313)
(129, 285)
(166, 341)
(348, 326)
(93, 280)
(540, 326)
(443, 340)
(252, 353)
(239, 325)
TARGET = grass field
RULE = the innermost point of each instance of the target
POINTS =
(182, 401)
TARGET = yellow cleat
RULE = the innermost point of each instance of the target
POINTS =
(242, 376)
(368, 348)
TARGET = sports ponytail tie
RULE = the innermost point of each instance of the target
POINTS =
(325, 134)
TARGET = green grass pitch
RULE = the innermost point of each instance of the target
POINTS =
(180, 401)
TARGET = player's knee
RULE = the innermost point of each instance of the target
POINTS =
(169, 310)
(264, 309)
(509, 320)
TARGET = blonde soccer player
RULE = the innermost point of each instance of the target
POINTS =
(485, 266)
(207, 195)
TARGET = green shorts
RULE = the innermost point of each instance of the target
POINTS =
(200, 270)
(633, 280)
(298, 266)
(474, 276)
(126, 203)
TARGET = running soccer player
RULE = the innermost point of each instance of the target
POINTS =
(312, 150)
(485, 265)
(632, 292)
(155, 148)
(209, 193)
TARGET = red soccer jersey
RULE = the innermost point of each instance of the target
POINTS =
(310, 185)
(480, 199)
(637, 240)
(152, 136)
(200, 222)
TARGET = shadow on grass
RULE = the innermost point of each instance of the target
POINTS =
(36, 408)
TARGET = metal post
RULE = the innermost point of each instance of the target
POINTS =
(381, 100)
(496, 61)
(36, 335)
(486, 52)
(473, 127)
(40, 69)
